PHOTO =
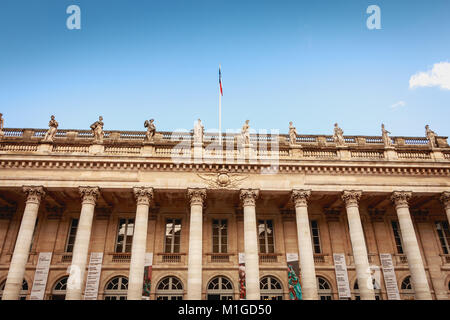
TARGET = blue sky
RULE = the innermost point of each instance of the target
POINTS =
(311, 62)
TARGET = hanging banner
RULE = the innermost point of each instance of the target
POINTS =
(93, 276)
(242, 293)
(40, 276)
(295, 289)
(390, 279)
(147, 276)
(340, 268)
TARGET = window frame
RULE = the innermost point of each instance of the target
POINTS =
(444, 238)
(222, 247)
(266, 244)
(69, 235)
(173, 243)
(399, 243)
(126, 236)
(317, 237)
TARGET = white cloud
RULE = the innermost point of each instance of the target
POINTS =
(439, 76)
(398, 104)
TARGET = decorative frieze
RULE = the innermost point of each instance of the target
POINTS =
(300, 197)
(196, 196)
(351, 197)
(248, 197)
(34, 193)
(143, 195)
(401, 198)
(89, 194)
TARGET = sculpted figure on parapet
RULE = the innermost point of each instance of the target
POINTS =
(151, 130)
(198, 132)
(97, 129)
(338, 135)
(1, 125)
(431, 136)
(245, 132)
(53, 127)
(385, 135)
(292, 133)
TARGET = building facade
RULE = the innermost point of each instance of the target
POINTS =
(197, 211)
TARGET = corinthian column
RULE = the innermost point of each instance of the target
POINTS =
(411, 247)
(351, 199)
(22, 249)
(305, 249)
(75, 282)
(194, 283)
(136, 276)
(445, 198)
(248, 198)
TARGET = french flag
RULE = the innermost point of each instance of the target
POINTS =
(220, 82)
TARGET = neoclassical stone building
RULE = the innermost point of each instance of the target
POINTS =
(191, 207)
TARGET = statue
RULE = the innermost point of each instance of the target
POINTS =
(431, 136)
(2, 134)
(292, 134)
(53, 127)
(245, 133)
(198, 132)
(97, 129)
(151, 130)
(338, 135)
(385, 135)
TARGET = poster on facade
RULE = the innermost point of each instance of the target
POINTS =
(293, 269)
(40, 276)
(147, 276)
(390, 279)
(340, 268)
(242, 293)
(93, 276)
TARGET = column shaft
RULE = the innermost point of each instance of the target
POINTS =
(305, 248)
(411, 246)
(23, 243)
(195, 258)
(136, 274)
(251, 245)
(75, 282)
(360, 257)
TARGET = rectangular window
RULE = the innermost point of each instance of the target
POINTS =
(265, 236)
(172, 236)
(315, 236)
(444, 235)
(220, 235)
(398, 237)
(125, 235)
(72, 234)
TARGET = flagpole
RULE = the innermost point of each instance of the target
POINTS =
(220, 115)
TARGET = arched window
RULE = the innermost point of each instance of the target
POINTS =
(407, 289)
(116, 288)
(324, 289)
(220, 288)
(271, 288)
(59, 289)
(23, 292)
(169, 288)
(376, 290)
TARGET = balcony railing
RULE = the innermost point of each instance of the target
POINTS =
(123, 257)
(445, 259)
(219, 257)
(401, 259)
(171, 257)
(268, 257)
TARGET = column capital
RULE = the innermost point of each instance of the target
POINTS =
(401, 198)
(89, 194)
(248, 196)
(351, 197)
(34, 193)
(445, 199)
(300, 197)
(143, 195)
(196, 196)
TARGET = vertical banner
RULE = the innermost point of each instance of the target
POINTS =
(147, 276)
(40, 276)
(242, 293)
(340, 268)
(390, 279)
(295, 289)
(93, 276)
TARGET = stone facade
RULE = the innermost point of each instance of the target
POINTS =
(353, 190)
